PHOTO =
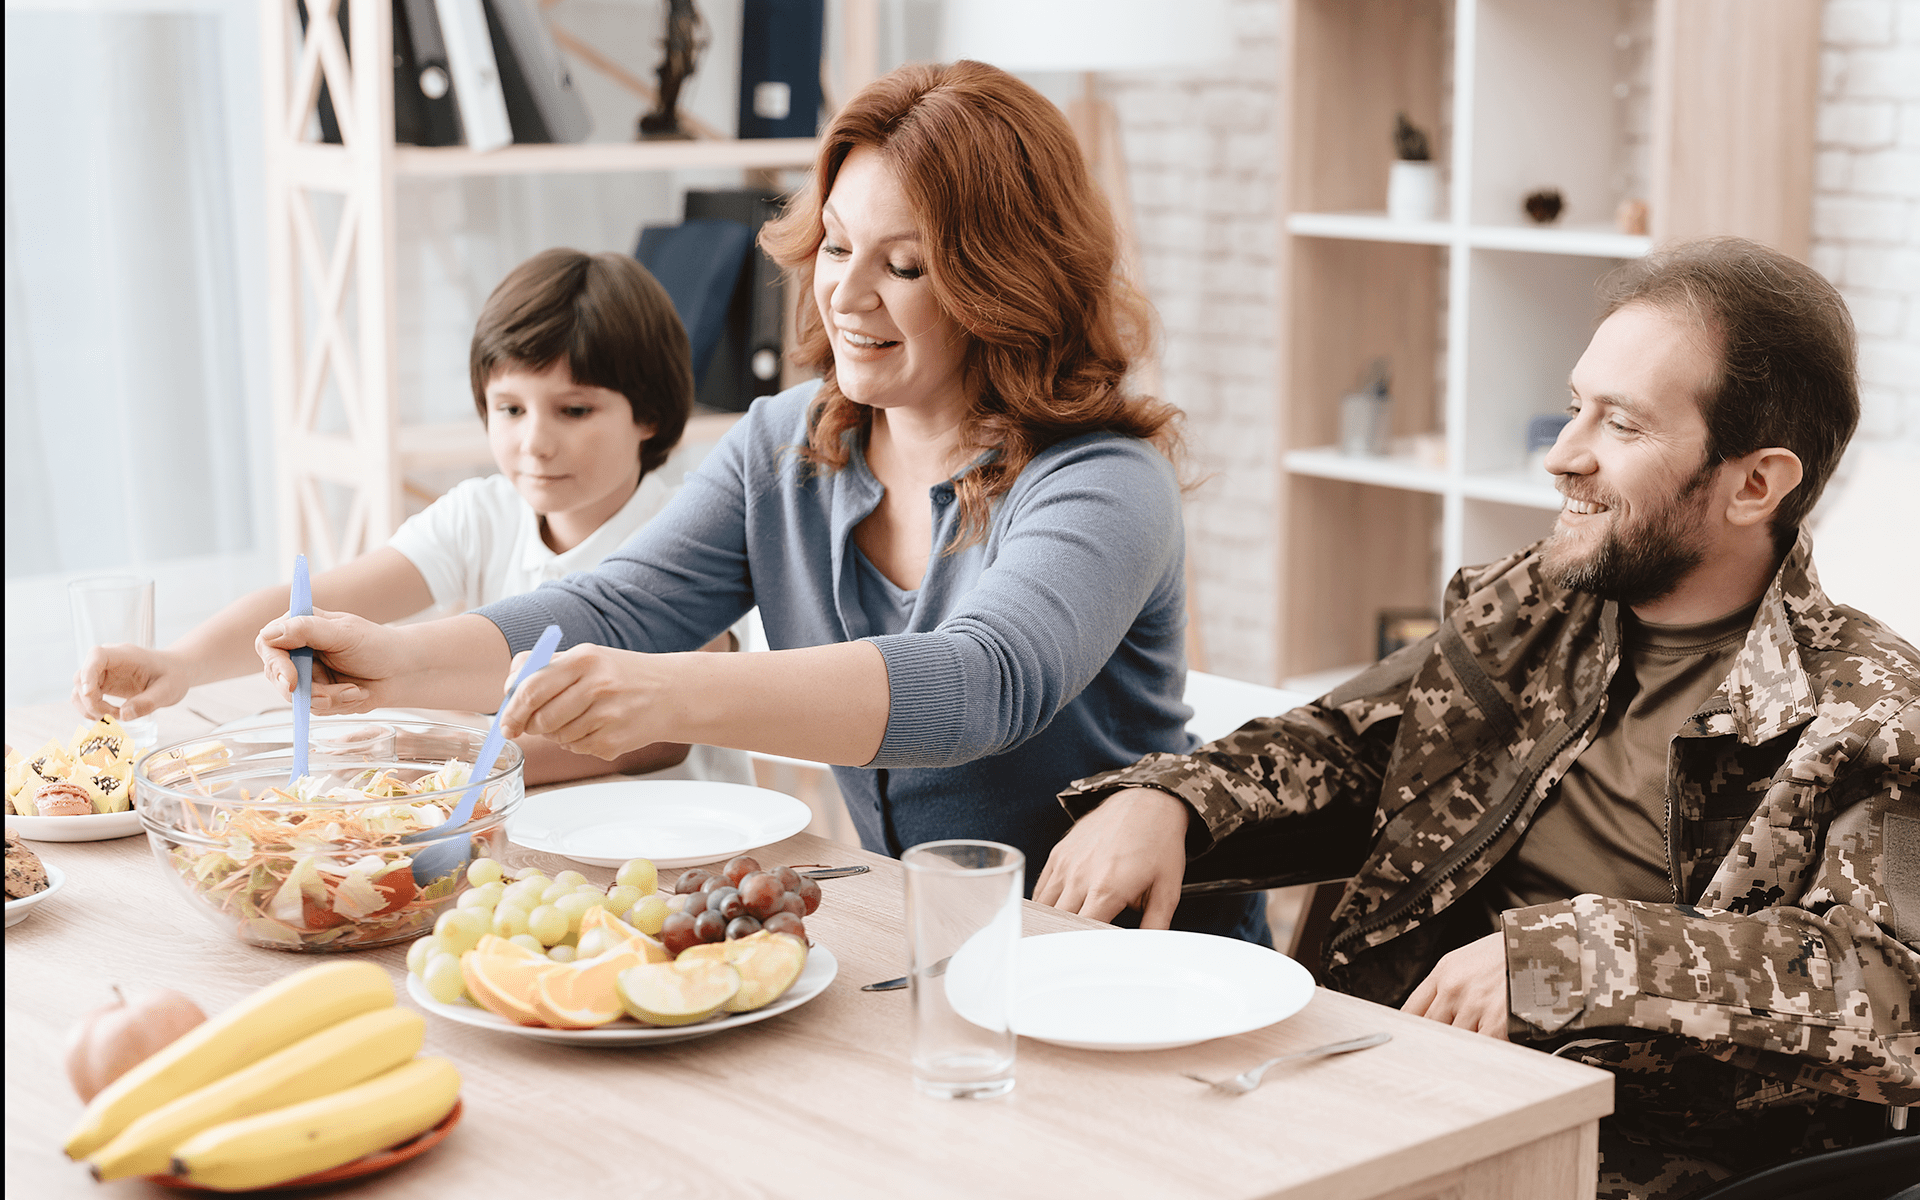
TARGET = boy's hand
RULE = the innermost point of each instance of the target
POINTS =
(352, 658)
(145, 679)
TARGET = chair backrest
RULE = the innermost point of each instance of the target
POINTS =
(1884, 1170)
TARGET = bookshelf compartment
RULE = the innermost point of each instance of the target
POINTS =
(1359, 550)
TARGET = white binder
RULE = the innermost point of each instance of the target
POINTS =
(476, 77)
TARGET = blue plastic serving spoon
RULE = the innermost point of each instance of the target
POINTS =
(302, 606)
(450, 854)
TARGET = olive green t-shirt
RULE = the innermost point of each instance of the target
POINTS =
(1603, 829)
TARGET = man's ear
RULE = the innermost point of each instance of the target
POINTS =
(1765, 477)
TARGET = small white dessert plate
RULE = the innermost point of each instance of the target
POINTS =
(820, 971)
(674, 822)
(92, 827)
(1138, 989)
(17, 910)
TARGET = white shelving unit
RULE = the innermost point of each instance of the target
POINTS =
(1481, 313)
(342, 454)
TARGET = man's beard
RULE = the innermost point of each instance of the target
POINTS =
(1643, 562)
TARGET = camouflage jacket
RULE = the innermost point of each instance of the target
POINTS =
(1791, 947)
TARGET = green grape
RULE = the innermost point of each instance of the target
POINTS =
(561, 954)
(575, 905)
(639, 873)
(493, 892)
(572, 879)
(459, 934)
(526, 941)
(526, 893)
(443, 979)
(547, 923)
(509, 920)
(474, 898)
(648, 915)
(554, 891)
(595, 942)
(421, 950)
(623, 897)
(482, 871)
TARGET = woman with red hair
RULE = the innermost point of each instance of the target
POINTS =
(964, 538)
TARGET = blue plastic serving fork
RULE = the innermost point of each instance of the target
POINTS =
(302, 606)
(450, 853)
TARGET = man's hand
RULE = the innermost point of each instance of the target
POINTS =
(1131, 852)
(1467, 989)
(593, 700)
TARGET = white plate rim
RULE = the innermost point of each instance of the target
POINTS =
(1287, 985)
(92, 827)
(17, 910)
(822, 966)
(797, 816)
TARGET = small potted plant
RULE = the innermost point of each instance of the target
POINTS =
(1413, 184)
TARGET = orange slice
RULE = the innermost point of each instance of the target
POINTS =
(496, 946)
(503, 984)
(583, 996)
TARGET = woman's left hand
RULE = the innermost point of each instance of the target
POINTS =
(592, 700)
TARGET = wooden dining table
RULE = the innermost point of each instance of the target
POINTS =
(817, 1101)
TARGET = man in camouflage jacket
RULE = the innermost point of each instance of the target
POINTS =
(1762, 1011)
(1785, 969)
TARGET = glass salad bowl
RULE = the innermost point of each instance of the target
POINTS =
(325, 863)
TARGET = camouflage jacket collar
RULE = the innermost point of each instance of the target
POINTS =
(1767, 692)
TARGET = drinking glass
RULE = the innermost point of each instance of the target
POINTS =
(109, 610)
(963, 928)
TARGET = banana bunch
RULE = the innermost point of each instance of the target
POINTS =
(305, 1074)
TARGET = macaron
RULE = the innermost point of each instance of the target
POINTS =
(63, 800)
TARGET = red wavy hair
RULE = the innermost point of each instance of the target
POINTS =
(1020, 249)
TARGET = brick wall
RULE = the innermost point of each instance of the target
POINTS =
(1201, 163)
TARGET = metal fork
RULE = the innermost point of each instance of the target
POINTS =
(1248, 1080)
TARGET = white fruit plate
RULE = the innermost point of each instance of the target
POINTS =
(17, 909)
(819, 972)
(92, 827)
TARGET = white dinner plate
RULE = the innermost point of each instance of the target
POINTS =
(17, 909)
(814, 977)
(92, 827)
(1139, 989)
(674, 822)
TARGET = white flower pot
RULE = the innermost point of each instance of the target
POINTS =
(1413, 191)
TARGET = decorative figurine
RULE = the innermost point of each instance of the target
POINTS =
(1544, 206)
(685, 41)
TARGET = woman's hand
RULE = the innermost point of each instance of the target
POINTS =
(1131, 852)
(1467, 988)
(144, 679)
(353, 657)
(592, 700)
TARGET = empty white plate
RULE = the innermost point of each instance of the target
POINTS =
(1140, 989)
(674, 822)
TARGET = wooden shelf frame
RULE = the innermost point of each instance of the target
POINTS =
(341, 453)
(1733, 87)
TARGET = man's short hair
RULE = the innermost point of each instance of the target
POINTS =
(611, 320)
(1786, 348)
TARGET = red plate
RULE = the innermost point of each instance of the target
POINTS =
(366, 1164)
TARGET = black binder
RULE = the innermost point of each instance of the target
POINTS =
(424, 110)
(747, 361)
(542, 105)
(698, 262)
(780, 67)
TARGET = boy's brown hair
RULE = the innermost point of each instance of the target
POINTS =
(610, 319)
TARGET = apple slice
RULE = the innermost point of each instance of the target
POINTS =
(678, 993)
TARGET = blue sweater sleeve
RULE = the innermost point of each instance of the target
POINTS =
(674, 585)
(1087, 541)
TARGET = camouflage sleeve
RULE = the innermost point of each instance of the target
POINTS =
(1827, 981)
(1333, 750)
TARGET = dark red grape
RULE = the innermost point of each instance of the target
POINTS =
(809, 891)
(726, 902)
(691, 881)
(710, 926)
(739, 868)
(791, 902)
(676, 933)
(786, 922)
(740, 927)
(762, 893)
(788, 877)
(713, 882)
